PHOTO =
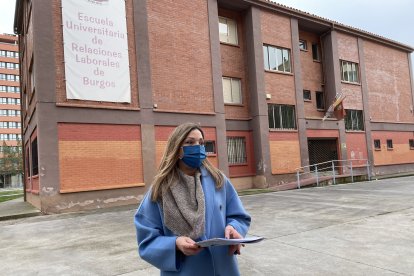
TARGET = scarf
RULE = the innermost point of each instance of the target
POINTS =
(183, 206)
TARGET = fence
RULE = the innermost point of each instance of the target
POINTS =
(333, 169)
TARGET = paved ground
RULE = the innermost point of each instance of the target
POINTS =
(352, 229)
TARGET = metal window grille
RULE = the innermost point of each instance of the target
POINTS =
(236, 150)
(281, 116)
(354, 120)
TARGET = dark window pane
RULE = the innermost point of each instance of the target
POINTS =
(315, 52)
(377, 144)
(306, 95)
(320, 101)
(210, 147)
(389, 144)
(35, 167)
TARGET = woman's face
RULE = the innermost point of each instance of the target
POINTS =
(193, 138)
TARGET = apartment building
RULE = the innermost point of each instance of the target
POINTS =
(105, 82)
(10, 120)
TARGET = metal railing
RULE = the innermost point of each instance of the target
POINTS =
(332, 170)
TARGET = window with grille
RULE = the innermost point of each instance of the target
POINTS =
(236, 150)
(354, 120)
(276, 59)
(377, 144)
(228, 30)
(389, 144)
(349, 71)
(232, 90)
(282, 116)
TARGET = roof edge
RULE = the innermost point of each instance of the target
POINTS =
(299, 14)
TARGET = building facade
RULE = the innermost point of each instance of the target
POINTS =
(257, 76)
(10, 120)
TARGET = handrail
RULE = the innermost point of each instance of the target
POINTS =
(341, 165)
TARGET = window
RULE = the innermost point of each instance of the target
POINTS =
(2, 64)
(411, 143)
(389, 144)
(3, 88)
(228, 30)
(210, 147)
(315, 52)
(306, 95)
(282, 116)
(354, 120)
(35, 168)
(276, 59)
(236, 150)
(349, 71)
(320, 100)
(303, 45)
(232, 90)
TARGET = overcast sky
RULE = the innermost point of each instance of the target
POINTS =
(391, 19)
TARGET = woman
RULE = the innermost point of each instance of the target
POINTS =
(190, 200)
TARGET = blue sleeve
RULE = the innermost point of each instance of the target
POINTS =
(153, 246)
(236, 215)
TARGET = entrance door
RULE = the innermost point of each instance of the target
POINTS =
(322, 150)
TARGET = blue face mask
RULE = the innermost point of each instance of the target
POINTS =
(194, 155)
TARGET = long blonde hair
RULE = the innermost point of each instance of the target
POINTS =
(168, 169)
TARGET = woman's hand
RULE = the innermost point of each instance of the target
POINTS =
(231, 233)
(187, 246)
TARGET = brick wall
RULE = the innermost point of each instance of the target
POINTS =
(356, 147)
(312, 77)
(276, 31)
(388, 81)
(348, 50)
(284, 152)
(97, 157)
(401, 152)
(180, 55)
(233, 64)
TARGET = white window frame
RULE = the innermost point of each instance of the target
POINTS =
(349, 71)
(234, 96)
(273, 57)
(228, 30)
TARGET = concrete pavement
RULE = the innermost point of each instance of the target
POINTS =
(17, 208)
(351, 229)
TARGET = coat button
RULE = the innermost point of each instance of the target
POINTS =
(220, 207)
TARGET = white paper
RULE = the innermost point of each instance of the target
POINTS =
(222, 241)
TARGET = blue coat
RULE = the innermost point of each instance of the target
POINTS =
(157, 243)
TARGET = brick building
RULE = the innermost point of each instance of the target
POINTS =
(10, 120)
(258, 76)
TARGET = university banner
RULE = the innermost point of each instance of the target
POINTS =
(96, 50)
